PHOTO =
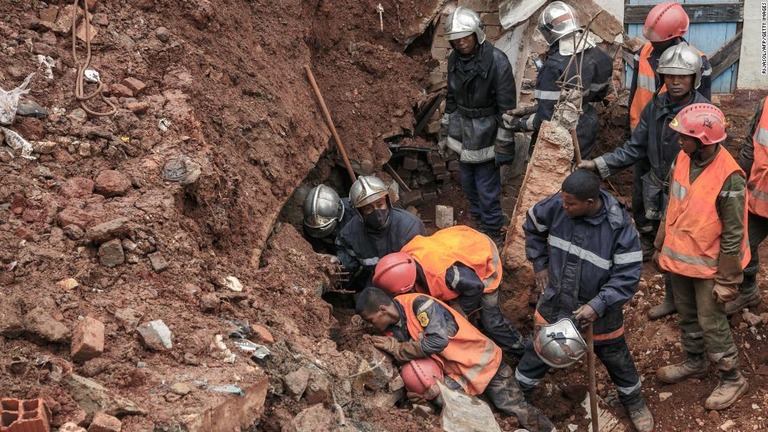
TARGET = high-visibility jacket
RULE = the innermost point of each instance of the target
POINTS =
(440, 251)
(646, 85)
(470, 358)
(693, 228)
(758, 177)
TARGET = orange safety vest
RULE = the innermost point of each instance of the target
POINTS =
(646, 85)
(693, 229)
(438, 252)
(758, 177)
(470, 359)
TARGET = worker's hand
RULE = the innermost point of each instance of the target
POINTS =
(332, 259)
(587, 165)
(724, 294)
(385, 343)
(541, 279)
(504, 159)
(584, 315)
(514, 123)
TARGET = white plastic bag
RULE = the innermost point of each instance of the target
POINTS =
(10, 100)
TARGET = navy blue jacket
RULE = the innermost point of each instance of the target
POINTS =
(593, 260)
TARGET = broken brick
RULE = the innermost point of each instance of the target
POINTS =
(410, 163)
(120, 90)
(87, 340)
(103, 422)
(24, 415)
(263, 334)
(135, 85)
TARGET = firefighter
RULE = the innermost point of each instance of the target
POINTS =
(377, 230)
(753, 159)
(421, 326)
(325, 214)
(456, 264)
(560, 27)
(480, 88)
(587, 262)
(655, 145)
(704, 245)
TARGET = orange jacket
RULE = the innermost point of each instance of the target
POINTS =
(758, 177)
(646, 85)
(438, 252)
(470, 359)
(693, 229)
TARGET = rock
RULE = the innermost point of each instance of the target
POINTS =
(128, 318)
(71, 427)
(30, 108)
(664, 396)
(45, 147)
(296, 382)
(728, 425)
(84, 149)
(263, 334)
(94, 367)
(77, 187)
(396, 384)
(103, 422)
(111, 253)
(10, 322)
(182, 169)
(6, 278)
(74, 216)
(112, 183)
(94, 397)
(87, 340)
(40, 323)
(116, 228)
(209, 302)
(120, 90)
(751, 318)
(314, 418)
(231, 283)
(101, 19)
(155, 335)
(77, 116)
(157, 261)
(319, 388)
(135, 85)
(74, 232)
(182, 389)
(443, 216)
(138, 107)
(162, 34)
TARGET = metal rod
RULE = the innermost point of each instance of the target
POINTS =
(397, 177)
(328, 119)
(592, 383)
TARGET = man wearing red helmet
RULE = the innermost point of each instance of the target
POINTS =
(456, 264)
(703, 244)
(420, 326)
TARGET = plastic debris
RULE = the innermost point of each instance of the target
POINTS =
(230, 388)
(9, 100)
(253, 349)
(164, 124)
(16, 141)
(181, 169)
(92, 76)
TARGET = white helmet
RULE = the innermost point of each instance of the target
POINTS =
(560, 344)
(323, 210)
(681, 59)
(463, 22)
(365, 190)
(557, 21)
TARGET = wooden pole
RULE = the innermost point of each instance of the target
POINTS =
(328, 119)
(576, 148)
(592, 383)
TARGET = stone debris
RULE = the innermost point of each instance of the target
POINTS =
(94, 397)
(182, 170)
(728, 425)
(111, 253)
(42, 325)
(87, 340)
(16, 142)
(663, 396)
(443, 216)
(464, 413)
(103, 422)
(155, 335)
(111, 183)
(751, 318)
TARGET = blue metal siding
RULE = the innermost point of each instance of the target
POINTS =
(706, 37)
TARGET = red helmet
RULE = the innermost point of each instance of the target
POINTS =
(701, 120)
(395, 273)
(665, 21)
(420, 375)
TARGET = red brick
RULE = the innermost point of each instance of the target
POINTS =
(87, 340)
(263, 334)
(135, 85)
(18, 415)
(120, 90)
(103, 422)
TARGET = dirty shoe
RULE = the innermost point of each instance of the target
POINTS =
(661, 310)
(641, 418)
(727, 392)
(743, 301)
(693, 366)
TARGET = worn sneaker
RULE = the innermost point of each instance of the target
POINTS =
(642, 419)
(726, 393)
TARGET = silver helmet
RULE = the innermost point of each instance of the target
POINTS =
(560, 344)
(323, 210)
(463, 22)
(557, 21)
(365, 190)
(681, 59)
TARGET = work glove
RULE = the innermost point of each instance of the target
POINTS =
(584, 315)
(401, 351)
(517, 124)
(442, 141)
(724, 294)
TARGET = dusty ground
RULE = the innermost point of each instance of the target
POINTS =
(230, 79)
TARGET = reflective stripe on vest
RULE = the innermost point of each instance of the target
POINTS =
(693, 229)
(440, 251)
(646, 85)
(470, 358)
(758, 177)
(539, 320)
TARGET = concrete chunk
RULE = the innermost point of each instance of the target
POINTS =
(155, 335)
(443, 216)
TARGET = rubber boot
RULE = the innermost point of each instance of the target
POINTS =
(641, 417)
(693, 366)
(504, 392)
(749, 296)
(647, 247)
(732, 386)
(667, 307)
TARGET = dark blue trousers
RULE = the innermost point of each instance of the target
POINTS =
(481, 184)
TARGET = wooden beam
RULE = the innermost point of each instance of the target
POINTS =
(726, 56)
(698, 13)
(629, 58)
